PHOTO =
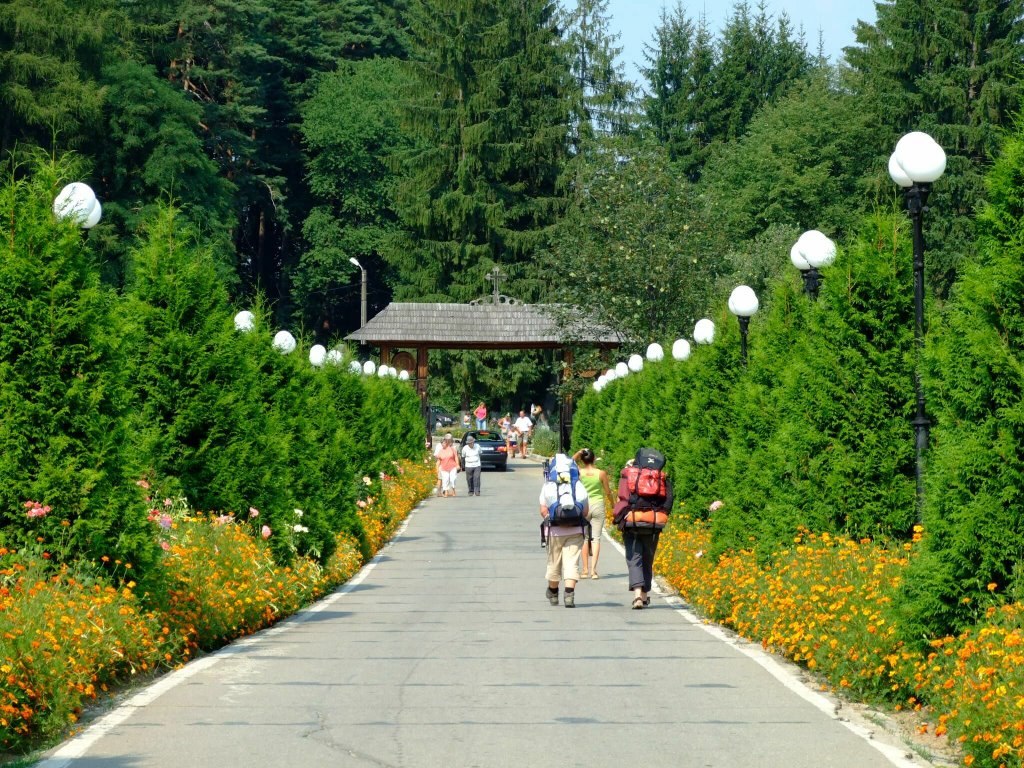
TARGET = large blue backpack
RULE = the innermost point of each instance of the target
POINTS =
(566, 509)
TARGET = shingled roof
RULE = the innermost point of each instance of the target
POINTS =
(473, 326)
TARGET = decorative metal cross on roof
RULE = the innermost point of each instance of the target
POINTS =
(496, 276)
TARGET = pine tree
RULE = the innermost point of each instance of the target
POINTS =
(755, 65)
(488, 121)
(950, 69)
(601, 94)
(703, 90)
(681, 61)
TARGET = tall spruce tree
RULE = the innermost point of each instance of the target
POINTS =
(601, 93)
(703, 90)
(680, 62)
(250, 64)
(756, 64)
(951, 69)
(488, 122)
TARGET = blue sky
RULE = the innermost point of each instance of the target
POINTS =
(635, 21)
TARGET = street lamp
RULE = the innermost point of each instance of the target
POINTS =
(704, 331)
(362, 293)
(917, 162)
(812, 251)
(743, 303)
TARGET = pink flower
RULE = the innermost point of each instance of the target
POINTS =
(715, 506)
(361, 504)
(265, 531)
(165, 521)
(167, 502)
(253, 512)
(223, 519)
(142, 484)
(165, 546)
(35, 509)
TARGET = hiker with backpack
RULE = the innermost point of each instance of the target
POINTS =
(565, 524)
(642, 509)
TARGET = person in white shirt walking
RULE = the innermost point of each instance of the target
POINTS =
(565, 516)
(524, 427)
(471, 463)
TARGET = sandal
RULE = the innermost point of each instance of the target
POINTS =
(593, 575)
(638, 603)
(584, 574)
(647, 599)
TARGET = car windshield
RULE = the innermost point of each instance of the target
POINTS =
(487, 435)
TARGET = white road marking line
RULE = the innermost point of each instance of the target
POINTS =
(80, 744)
(770, 664)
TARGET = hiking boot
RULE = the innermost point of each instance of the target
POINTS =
(552, 596)
(570, 599)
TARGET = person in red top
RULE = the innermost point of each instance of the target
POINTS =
(447, 465)
(481, 416)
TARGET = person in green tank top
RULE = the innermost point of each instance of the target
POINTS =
(596, 482)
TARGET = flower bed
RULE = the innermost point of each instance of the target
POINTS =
(67, 636)
(826, 603)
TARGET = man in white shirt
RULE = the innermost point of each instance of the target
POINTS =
(524, 427)
(565, 540)
(471, 463)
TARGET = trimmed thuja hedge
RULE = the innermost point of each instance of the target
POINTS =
(815, 433)
(112, 401)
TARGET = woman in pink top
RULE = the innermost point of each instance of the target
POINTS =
(481, 416)
(447, 465)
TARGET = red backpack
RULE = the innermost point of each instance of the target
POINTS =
(645, 481)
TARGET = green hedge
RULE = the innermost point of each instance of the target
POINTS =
(111, 402)
(815, 432)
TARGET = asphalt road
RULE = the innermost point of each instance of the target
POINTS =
(444, 652)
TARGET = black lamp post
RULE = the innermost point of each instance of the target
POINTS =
(917, 162)
(743, 303)
(811, 251)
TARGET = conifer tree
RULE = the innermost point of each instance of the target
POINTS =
(821, 434)
(51, 52)
(63, 393)
(680, 64)
(950, 69)
(488, 121)
(601, 93)
(973, 531)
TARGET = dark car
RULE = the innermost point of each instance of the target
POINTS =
(438, 415)
(492, 448)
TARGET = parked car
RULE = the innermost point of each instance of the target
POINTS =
(439, 415)
(492, 448)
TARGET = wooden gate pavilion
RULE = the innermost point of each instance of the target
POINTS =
(405, 333)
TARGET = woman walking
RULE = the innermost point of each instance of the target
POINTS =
(447, 465)
(596, 482)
